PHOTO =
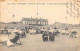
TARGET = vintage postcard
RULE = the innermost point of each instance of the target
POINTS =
(39, 25)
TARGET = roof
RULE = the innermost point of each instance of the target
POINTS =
(34, 19)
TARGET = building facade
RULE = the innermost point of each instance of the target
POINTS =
(34, 21)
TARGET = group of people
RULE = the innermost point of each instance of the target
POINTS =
(10, 39)
(48, 36)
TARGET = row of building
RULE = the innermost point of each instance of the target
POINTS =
(37, 23)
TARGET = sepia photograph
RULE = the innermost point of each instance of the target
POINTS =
(39, 25)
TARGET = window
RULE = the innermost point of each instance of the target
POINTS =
(23, 22)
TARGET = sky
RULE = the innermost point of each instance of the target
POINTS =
(14, 11)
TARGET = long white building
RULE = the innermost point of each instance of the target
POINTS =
(34, 21)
